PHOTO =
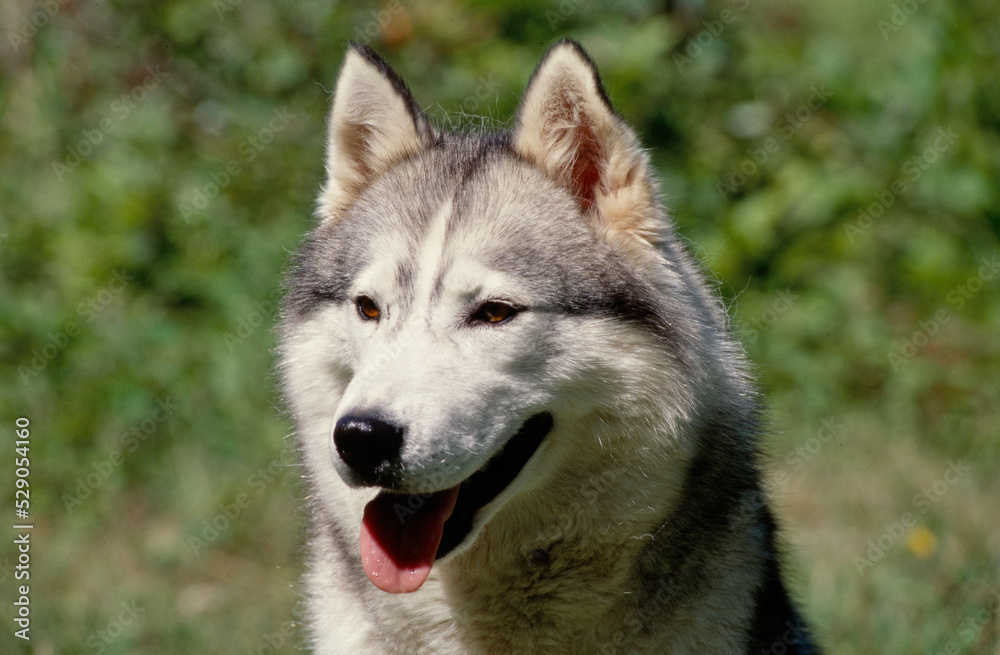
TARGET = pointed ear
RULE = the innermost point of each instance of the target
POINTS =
(374, 123)
(566, 127)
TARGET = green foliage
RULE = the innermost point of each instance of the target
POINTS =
(835, 166)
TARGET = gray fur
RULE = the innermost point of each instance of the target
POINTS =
(639, 525)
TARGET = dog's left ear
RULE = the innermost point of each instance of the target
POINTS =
(567, 127)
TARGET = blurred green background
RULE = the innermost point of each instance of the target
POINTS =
(834, 165)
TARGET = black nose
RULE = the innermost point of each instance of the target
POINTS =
(369, 445)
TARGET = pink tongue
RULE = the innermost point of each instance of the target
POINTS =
(400, 536)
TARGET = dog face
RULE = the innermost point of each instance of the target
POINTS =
(468, 302)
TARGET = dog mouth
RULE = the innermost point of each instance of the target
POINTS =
(403, 535)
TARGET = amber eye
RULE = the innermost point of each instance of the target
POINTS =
(368, 309)
(493, 312)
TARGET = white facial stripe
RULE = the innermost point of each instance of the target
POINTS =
(431, 256)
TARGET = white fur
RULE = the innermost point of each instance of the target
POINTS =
(597, 490)
(370, 128)
(564, 107)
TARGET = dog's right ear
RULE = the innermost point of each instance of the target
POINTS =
(374, 123)
(566, 127)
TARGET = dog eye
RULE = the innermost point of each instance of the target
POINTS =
(367, 308)
(493, 312)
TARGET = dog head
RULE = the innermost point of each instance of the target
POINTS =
(476, 315)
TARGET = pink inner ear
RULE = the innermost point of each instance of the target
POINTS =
(571, 125)
(586, 174)
(586, 169)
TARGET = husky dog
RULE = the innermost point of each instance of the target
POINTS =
(524, 422)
